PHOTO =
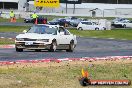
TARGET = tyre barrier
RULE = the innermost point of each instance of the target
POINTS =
(90, 59)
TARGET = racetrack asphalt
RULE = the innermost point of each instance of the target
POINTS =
(86, 47)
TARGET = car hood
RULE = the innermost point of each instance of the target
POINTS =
(35, 36)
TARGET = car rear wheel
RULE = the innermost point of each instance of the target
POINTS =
(104, 28)
(71, 47)
(124, 26)
(19, 50)
(96, 28)
(53, 46)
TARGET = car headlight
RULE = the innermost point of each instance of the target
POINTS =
(43, 40)
(19, 39)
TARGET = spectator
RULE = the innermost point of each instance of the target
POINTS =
(12, 16)
(0, 13)
(93, 14)
(34, 16)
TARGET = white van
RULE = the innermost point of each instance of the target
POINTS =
(87, 25)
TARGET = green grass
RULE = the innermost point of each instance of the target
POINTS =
(117, 33)
(13, 28)
(8, 20)
(65, 76)
(6, 41)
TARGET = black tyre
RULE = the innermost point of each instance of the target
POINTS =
(38, 50)
(84, 81)
(124, 26)
(19, 50)
(53, 46)
(96, 28)
(71, 47)
(104, 28)
(80, 28)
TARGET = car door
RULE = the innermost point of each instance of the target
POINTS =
(89, 25)
(63, 37)
(85, 25)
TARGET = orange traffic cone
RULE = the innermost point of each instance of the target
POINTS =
(36, 21)
(11, 19)
(14, 19)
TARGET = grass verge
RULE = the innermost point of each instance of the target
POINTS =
(13, 28)
(117, 33)
(62, 75)
(4, 41)
(8, 20)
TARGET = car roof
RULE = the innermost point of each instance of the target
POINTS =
(52, 26)
(85, 21)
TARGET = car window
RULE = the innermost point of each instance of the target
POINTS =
(63, 31)
(84, 22)
(89, 23)
(41, 29)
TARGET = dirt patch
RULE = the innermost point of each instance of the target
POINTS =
(65, 63)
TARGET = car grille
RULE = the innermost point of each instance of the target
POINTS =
(27, 39)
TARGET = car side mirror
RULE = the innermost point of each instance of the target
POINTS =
(24, 31)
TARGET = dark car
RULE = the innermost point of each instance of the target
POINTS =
(40, 20)
(59, 21)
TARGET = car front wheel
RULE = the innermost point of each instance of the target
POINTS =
(80, 28)
(19, 50)
(71, 47)
(53, 46)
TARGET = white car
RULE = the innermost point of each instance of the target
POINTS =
(123, 24)
(49, 37)
(87, 25)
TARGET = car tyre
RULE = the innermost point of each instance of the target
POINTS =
(38, 50)
(53, 46)
(96, 28)
(104, 28)
(19, 50)
(124, 26)
(84, 81)
(71, 47)
(80, 28)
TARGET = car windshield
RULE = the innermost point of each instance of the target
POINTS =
(42, 29)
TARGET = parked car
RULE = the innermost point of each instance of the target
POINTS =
(40, 20)
(123, 24)
(73, 21)
(119, 19)
(59, 21)
(87, 25)
(119, 22)
(49, 37)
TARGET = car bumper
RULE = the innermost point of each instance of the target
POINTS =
(21, 45)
